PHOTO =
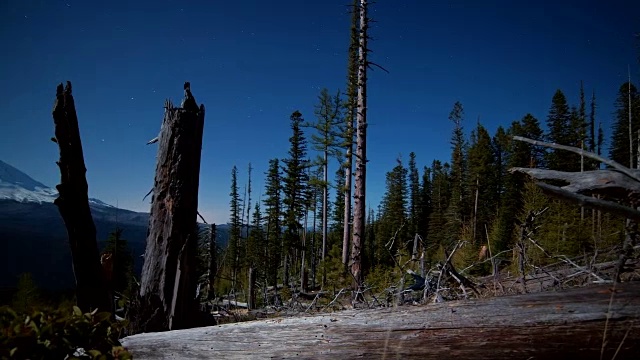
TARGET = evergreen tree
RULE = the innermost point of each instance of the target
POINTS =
(456, 211)
(562, 130)
(440, 195)
(592, 125)
(482, 177)
(122, 260)
(256, 249)
(235, 229)
(519, 154)
(424, 211)
(273, 220)
(393, 222)
(500, 148)
(414, 195)
(295, 182)
(339, 204)
(620, 151)
(325, 141)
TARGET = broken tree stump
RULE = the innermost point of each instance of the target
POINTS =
(573, 324)
(73, 204)
(168, 282)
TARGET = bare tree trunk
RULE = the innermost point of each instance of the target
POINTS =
(346, 235)
(73, 204)
(304, 249)
(325, 200)
(168, 283)
(251, 293)
(630, 126)
(213, 265)
(475, 210)
(314, 252)
(361, 151)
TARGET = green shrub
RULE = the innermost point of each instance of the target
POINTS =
(59, 334)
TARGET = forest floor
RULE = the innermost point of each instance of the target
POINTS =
(561, 309)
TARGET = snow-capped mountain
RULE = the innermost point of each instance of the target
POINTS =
(18, 186)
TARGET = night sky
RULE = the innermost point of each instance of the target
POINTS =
(252, 63)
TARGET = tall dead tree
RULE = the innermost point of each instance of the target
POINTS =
(350, 115)
(168, 281)
(359, 205)
(73, 204)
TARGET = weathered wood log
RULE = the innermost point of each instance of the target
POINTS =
(73, 204)
(604, 182)
(578, 324)
(168, 283)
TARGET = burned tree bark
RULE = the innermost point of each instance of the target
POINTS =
(359, 204)
(168, 282)
(73, 204)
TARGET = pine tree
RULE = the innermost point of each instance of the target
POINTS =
(561, 131)
(519, 154)
(456, 211)
(482, 179)
(424, 210)
(414, 195)
(273, 220)
(620, 151)
(235, 229)
(592, 125)
(325, 141)
(295, 182)
(122, 259)
(256, 243)
(440, 198)
(337, 225)
(394, 220)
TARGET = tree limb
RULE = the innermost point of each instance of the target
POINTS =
(623, 169)
(590, 202)
(595, 181)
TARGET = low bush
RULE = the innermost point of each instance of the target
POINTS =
(60, 334)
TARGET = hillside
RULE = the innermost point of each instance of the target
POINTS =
(34, 238)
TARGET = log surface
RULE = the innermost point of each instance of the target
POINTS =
(532, 326)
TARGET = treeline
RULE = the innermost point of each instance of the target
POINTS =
(471, 198)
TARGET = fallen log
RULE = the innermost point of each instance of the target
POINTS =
(588, 323)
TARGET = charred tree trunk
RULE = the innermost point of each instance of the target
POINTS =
(359, 208)
(73, 204)
(168, 283)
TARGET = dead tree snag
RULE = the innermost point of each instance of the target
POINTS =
(168, 283)
(73, 204)
(359, 204)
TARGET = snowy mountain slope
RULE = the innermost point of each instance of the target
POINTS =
(18, 186)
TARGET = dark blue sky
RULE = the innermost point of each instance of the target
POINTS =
(252, 63)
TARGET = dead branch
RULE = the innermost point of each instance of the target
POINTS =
(334, 299)
(565, 259)
(634, 174)
(591, 182)
(590, 202)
